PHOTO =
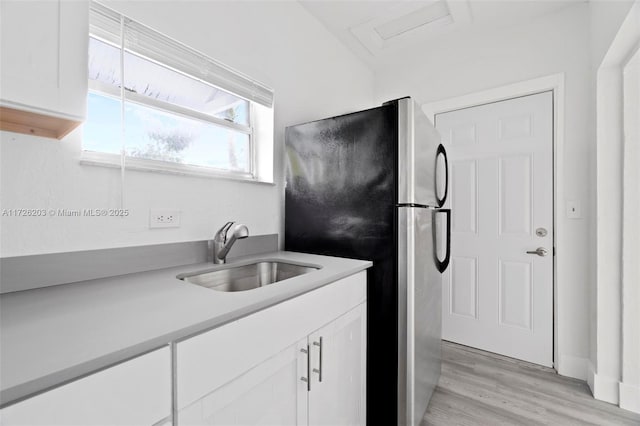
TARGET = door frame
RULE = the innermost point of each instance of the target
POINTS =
(555, 84)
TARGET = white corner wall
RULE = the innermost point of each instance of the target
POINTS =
(278, 43)
(605, 20)
(469, 63)
(606, 17)
(614, 373)
(630, 383)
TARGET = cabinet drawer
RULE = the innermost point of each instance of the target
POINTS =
(209, 360)
(136, 392)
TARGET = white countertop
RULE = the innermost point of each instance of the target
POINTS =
(52, 335)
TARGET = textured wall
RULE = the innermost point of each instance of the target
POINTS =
(491, 58)
(278, 43)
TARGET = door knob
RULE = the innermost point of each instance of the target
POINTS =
(540, 251)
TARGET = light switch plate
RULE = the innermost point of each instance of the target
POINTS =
(574, 210)
(164, 218)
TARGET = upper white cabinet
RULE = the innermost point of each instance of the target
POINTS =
(136, 392)
(44, 57)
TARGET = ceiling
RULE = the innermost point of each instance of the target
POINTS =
(382, 31)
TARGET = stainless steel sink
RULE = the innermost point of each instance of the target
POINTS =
(246, 277)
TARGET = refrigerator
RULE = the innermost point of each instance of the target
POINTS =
(370, 185)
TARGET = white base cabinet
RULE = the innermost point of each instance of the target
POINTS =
(301, 362)
(136, 392)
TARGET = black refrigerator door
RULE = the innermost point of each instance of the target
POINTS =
(340, 201)
(340, 191)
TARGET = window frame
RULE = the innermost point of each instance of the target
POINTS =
(259, 126)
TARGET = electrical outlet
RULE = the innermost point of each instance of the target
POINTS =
(164, 218)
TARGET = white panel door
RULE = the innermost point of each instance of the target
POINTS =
(498, 297)
(338, 361)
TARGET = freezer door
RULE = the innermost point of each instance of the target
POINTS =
(422, 164)
(419, 316)
(340, 185)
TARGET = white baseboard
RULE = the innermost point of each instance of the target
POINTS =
(591, 373)
(606, 388)
(573, 366)
(630, 397)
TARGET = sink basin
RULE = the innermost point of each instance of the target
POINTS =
(246, 277)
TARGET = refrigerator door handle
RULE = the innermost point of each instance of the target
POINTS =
(441, 264)
(443, 152)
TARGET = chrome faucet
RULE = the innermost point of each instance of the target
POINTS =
(222, 243)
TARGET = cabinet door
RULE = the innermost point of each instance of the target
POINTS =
(136, 392)
(338, 359)
(44, 54)
(271, 393)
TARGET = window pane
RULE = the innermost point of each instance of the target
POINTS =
(157, 135)
(101, 130)
(150, 79)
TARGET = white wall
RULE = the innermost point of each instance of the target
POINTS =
(630, 386)
(492, 58)
(615, 363)
(605, 20)
(606, 17)
(278, 43)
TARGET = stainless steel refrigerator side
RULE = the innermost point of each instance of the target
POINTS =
(406, 152)
(427, 313)
(406, 258)
(419, 314)
(418, 142)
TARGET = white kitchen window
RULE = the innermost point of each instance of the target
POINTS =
(156, 104)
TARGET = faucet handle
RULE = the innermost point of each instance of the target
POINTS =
(221, 245)
(222, 232)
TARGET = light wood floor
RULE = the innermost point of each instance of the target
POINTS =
(481, 388)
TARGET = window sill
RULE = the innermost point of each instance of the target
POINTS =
(100, 159)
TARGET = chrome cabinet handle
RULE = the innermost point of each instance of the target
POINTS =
(319, 369)
(306, 379)
(540, 251)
